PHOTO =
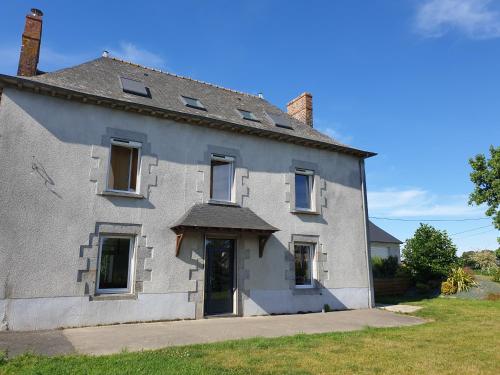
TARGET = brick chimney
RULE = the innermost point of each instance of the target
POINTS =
(302, 108)
(30, 49)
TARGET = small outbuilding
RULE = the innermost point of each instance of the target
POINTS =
(383, 244)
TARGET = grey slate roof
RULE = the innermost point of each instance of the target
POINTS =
(101, 78)
(207, 215)
(377, 234)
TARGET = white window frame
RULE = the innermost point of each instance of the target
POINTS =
(127, 144)
(312, 203)
(131, 268)
(312, 256)
(230, 161)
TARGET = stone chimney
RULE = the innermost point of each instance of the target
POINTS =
(302, 108)
(30, 49)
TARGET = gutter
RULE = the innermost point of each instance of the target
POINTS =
(21, 83)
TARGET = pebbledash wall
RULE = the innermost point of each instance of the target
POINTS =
(54, 156)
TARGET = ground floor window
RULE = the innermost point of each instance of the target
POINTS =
(304, 265)
(115, 264)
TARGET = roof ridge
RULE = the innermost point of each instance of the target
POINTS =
(179, 76)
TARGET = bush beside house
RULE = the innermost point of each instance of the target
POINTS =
(429, 255)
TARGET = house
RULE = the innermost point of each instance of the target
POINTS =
(130, 194)
(383, 244)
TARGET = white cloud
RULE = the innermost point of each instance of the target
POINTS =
(332, 129)
(130, 52)
(477, 19)
(420, 203)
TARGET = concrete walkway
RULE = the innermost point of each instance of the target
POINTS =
(135, 337)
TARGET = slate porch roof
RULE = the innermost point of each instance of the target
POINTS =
(377, 234)
(215, 216)
(98, 81)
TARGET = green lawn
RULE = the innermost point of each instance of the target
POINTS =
(462, 338)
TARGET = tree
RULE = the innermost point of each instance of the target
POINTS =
(485, 176)
(429, 254)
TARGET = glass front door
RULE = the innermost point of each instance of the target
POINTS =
(219, 276)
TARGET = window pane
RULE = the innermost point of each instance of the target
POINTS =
(133, 168)
(303, 265)
(221, 180)
(120, 168)
(113, 268)
(302, 191)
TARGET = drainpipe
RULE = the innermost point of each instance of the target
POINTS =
(371, 300)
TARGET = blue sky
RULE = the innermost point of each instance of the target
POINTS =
(415, 81)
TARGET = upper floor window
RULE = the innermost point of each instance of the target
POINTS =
(131, 86)
(304, 265)
(247, 115)
(115, 264)
(192, 102)
(304, 180)
(124, 166)
(221, 177)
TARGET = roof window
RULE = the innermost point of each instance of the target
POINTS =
(192, 103)
(131, 86)
(247, 115)
(280, 120)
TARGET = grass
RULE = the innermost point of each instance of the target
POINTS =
(463, 337)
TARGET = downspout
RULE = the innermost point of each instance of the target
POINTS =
(371, 300)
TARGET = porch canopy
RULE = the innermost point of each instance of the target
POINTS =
(226, 218)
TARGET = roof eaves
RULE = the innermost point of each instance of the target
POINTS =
(69, 94)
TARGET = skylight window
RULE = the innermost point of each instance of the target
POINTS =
(193, 103)
(134, 87)
(247, 115)
(280, 120)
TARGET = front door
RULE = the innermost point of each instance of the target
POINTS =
(219, 276)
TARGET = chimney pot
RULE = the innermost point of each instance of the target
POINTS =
(301, 108)
(30, 48)
(36, 12)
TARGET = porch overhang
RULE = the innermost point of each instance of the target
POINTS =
(208, 217)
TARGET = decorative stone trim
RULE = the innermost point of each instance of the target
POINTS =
(321, 261)
(319, 187)
(87, 262)
(241, 174)
(100, 161)
(243, 273)
(197, 278)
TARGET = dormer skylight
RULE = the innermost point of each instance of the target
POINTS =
(134, 87)
(192, 103)
(280, 120)
(247, 115)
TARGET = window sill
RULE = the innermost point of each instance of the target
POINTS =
(113, 297)
(125, 194)
(222, 203)
(299, 211)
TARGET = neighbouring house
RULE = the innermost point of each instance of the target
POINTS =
(130, 194)
(383, 244)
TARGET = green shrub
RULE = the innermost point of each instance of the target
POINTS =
(3, 357)
(385, 267)
(484, 260)
(496, 276)
(429, 254)
(461, 280)
(422, 288)
(448, 288)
